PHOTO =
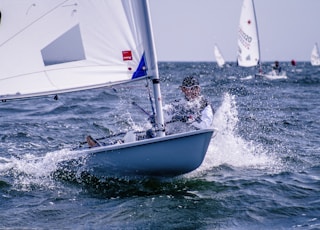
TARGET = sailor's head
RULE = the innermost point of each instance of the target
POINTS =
(190, 87)
(190, 81)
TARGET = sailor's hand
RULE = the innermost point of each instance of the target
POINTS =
(181, 118)
(190, 119)
(152, 119)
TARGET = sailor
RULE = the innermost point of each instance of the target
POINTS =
(193, 109)
(277, 67)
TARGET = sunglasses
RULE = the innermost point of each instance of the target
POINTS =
(194, 87)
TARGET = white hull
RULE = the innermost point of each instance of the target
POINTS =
(272, 76)
(161, 156)
(275, 77)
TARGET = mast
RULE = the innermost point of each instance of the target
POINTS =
(152, 65)
(258, 39)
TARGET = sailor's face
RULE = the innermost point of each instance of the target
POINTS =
(191, 92)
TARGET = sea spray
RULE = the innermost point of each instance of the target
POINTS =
(228, 146)
(29, 170)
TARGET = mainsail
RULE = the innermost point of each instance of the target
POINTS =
(248, 38)
(315, 56)
(219, 58)
(49, 47)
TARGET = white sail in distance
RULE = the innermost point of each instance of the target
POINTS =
(219, 58)
(315, 56)
(248, 38)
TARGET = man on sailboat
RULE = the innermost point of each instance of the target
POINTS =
(193, 110)
(277, 68)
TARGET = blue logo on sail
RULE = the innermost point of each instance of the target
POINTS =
(141, 70)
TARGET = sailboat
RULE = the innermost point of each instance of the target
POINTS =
(249, 54)
(248, 38)
(315, 56)
(63, 46)
(219, 58)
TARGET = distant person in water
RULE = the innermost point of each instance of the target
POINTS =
(193, 109)
(276, 67)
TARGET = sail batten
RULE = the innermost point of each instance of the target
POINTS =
(64, 46)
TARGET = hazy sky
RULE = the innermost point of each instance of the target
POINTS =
(186, 30)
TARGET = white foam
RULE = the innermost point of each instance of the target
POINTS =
(31, 170)
(228, 147)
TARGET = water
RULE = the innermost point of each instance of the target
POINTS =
(262, 169)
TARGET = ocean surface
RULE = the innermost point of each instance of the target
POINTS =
(261, 171)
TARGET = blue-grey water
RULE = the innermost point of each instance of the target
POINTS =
(261, 171)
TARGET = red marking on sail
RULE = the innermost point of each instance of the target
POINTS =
(127, 55)
(249, 21)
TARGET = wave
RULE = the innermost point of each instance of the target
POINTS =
(228, 147)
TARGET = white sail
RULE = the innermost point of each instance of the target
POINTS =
(47, 47)
(219, 58)
(248, 39)
(315, 56)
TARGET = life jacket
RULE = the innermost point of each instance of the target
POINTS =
(185, 108)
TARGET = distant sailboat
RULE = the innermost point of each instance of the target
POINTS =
(248, 38)
(249, 54)
(219, 58)
(315, 56)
